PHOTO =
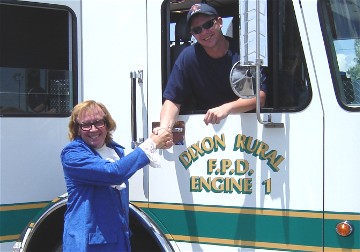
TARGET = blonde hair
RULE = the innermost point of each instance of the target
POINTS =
(90, 106)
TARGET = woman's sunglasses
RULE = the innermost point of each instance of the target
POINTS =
(207, 25)
(99, 124)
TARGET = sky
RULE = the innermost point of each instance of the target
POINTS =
(345, 52)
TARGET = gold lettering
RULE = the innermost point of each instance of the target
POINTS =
(239, 163)
(205, 184)
(219, 142)
(221, 185)
(261, 150)
(242, 143)
(211, 165)
(198, 149)
(194, 184)
(208, 149)
(278, 160)
(194, 155)
(239, 142)
(274, 160)
(237, 185)
(214, 186)
(255, 145)
(224, 165)
(185, 159)
(247, 186)
(227, 187)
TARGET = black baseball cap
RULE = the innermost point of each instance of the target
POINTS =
(200, 8)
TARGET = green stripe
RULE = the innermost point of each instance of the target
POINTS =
(251, 227)
(15, 217)
(332, 239)
(247, 227)
(242, 227)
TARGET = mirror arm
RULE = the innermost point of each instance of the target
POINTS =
(259, 62)
(258, 106)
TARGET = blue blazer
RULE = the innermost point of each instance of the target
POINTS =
(97, 215)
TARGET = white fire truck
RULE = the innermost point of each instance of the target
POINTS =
(283, 177)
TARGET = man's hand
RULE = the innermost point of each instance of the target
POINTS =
(165, 135)
(215, 115)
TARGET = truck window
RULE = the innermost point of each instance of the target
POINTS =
(341, 28)
(38, 75)
(288, 85)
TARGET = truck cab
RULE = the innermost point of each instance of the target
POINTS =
(280, 177)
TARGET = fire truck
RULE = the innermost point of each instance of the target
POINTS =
(282, 177)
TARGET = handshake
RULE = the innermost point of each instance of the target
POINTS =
(162, 137)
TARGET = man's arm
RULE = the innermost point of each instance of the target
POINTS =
(168, 115)
(215, 115)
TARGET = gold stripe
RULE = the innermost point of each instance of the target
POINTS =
(236, 210)
(334, 216)
(281, 213)
(266, 245)
(23, 206)
(9, 237)
(55, 200)
(256, 244)
(141, 204)
(340, 250)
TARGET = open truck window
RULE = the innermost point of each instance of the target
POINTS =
(288, 85)
(38, 62)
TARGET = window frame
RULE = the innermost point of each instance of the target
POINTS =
(274, 108)
(72, 70)
(332, 57)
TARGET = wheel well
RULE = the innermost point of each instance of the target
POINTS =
(47, 234)
(146, 235)
(141, 239)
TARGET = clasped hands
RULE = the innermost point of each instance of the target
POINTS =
(162, 137)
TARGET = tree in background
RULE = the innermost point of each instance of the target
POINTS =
(355, 70)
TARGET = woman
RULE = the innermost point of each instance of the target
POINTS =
(96, 173)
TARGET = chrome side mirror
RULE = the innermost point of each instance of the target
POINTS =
(242, 80)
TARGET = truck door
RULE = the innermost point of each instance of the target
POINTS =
(240, 183)
(114, 47)
(340, 84)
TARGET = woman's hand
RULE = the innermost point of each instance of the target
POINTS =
(162, 137)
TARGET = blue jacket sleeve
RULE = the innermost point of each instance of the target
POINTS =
(82, 165)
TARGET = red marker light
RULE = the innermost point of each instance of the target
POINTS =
(344, 228)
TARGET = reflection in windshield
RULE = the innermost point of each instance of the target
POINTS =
(344, 21)
(345, 52)
(348, 57)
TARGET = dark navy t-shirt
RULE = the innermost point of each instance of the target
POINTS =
(198, 77)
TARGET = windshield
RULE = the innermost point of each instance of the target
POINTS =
(342, 22)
